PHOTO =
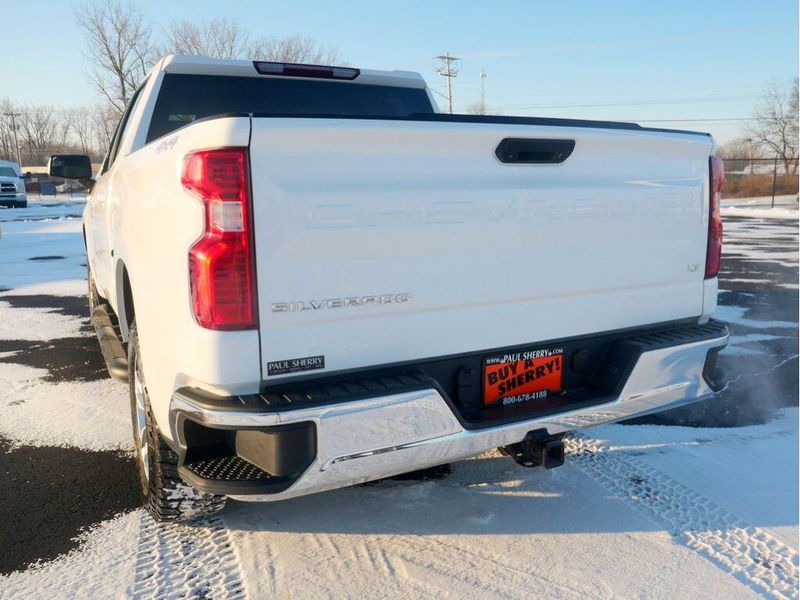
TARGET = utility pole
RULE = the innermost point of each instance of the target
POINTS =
(449, 70)
(750, 153)
(483, 95)
(12, 115)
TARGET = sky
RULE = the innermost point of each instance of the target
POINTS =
(687, 64)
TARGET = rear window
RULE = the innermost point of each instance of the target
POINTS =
(186, 98)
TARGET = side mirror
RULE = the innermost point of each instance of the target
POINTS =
(70, 166)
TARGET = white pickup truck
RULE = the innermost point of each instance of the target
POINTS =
(321, 281)
(12, 186)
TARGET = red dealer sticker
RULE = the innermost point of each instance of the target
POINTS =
(522, 376)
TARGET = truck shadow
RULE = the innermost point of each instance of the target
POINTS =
(487, 496)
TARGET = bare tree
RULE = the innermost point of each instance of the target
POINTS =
(42, 133)
(294, 49)
(477, 108)
(43, 130)
(120, 48)
(219, 38)
(794, 114)
(80, 126)
(222, 38)
(104, 122)
(775, 127)
(8, 149)
(737, 153)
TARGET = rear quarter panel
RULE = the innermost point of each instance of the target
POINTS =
(156, 222)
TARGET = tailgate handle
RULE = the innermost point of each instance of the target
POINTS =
(534, 152)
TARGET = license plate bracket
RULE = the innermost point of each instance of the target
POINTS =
(523, 376)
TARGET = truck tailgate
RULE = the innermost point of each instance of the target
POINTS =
(382, 241)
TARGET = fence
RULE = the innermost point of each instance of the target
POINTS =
(747, 177)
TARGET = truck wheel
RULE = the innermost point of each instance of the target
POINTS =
(166, 496)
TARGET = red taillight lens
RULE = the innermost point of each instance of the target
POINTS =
(221, 266)
(716, 174)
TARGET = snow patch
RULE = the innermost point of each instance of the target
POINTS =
(92, 415)
(735, 314)
(35, 323)
(759, 212)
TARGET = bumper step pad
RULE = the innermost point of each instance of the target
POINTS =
(681, 335)
(346, 390)
(227, 468)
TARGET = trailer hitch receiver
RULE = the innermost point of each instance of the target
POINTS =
(537, 449)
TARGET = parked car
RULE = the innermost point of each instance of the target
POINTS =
(12, 187)
(309, 278)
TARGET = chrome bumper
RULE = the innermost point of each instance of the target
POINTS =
(383, 436)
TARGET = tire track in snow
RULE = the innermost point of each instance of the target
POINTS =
(423, 566)
(328, 555)
(497, 575)
(748, 553)
(186, 561)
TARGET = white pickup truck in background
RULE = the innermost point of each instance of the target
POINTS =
(322, 281)
(12, 186)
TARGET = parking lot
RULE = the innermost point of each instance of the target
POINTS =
(670, 506)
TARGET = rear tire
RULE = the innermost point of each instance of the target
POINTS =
(166, 496)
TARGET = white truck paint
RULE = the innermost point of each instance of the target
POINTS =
(491, 255)
(393, 239)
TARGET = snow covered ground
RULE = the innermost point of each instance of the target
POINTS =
(643, 510)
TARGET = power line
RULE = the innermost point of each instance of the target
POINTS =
(699, 100)
(449, 70)
(695, 120)
(737, 87)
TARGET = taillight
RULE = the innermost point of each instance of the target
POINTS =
(221, 265)
(716, 179)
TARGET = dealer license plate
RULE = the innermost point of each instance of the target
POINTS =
(523, 376)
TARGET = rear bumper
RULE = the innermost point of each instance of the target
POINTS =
(383, 435)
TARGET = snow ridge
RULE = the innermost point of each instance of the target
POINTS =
(749, 554)
(186, 561)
